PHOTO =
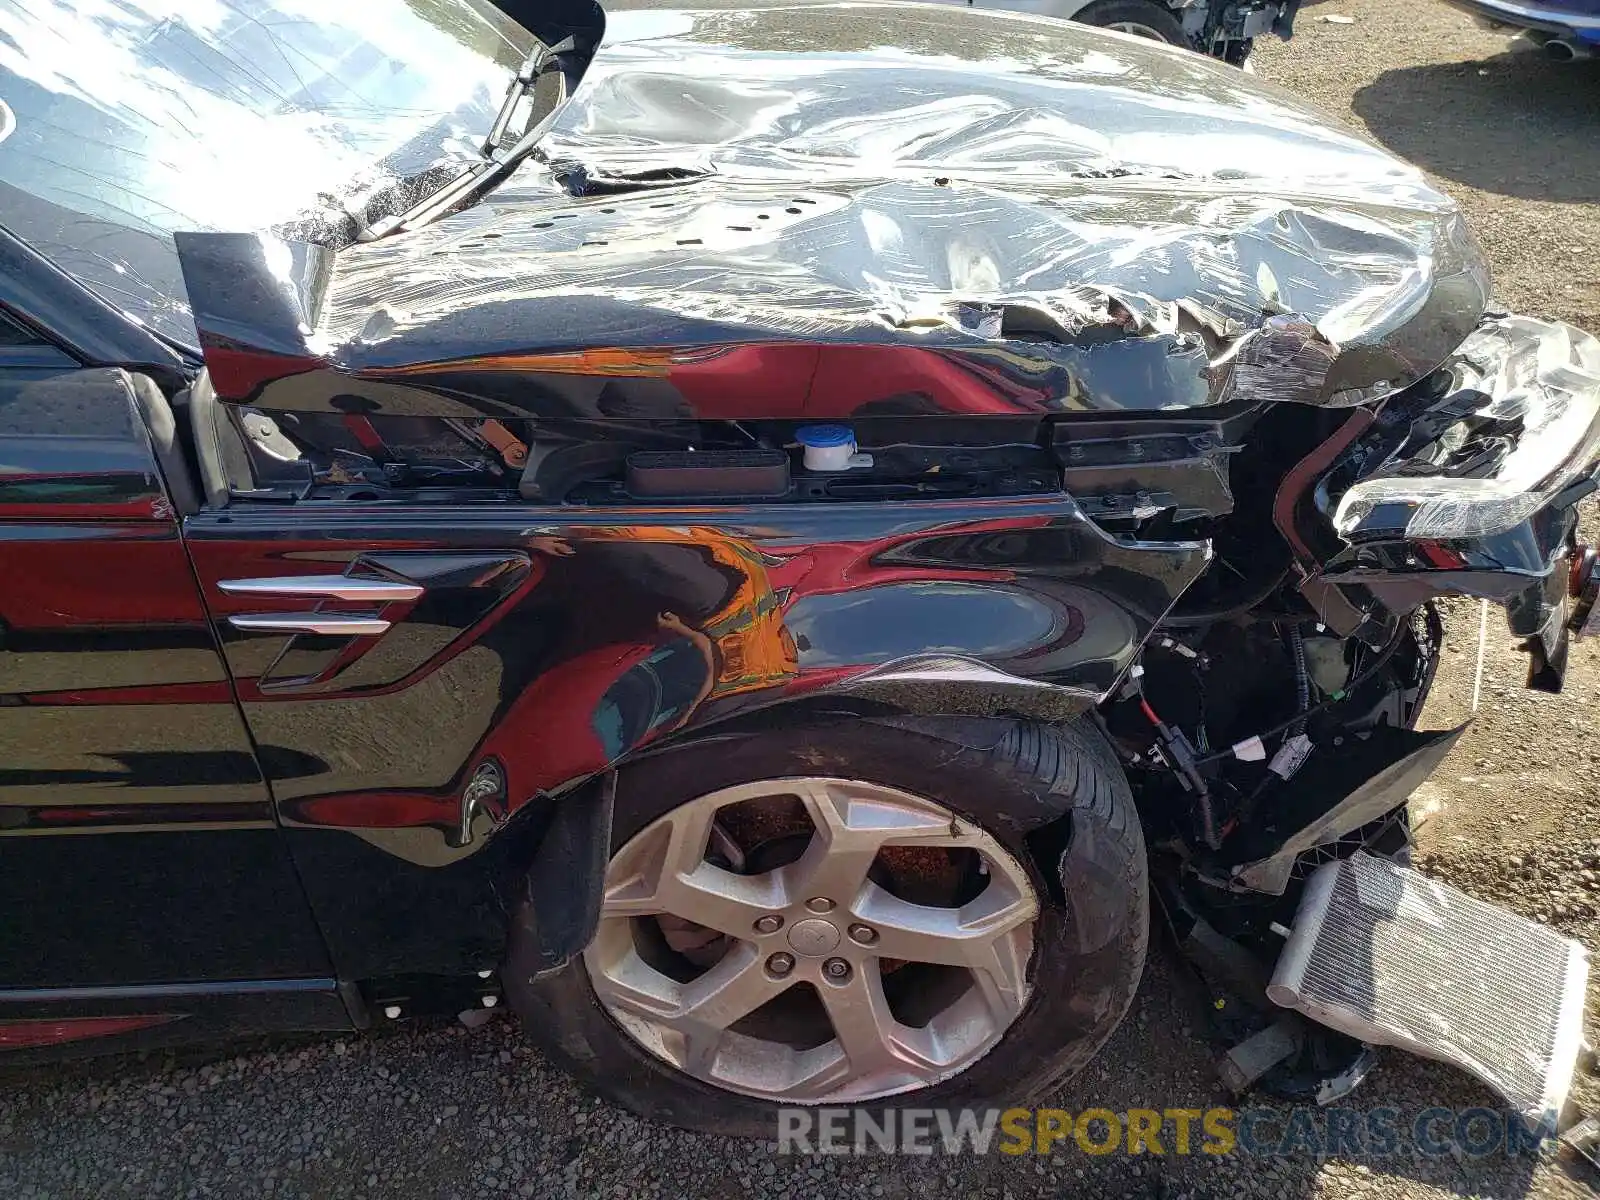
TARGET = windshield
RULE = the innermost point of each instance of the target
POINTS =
(124, 121)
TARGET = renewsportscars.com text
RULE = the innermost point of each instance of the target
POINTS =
(1262, 1132)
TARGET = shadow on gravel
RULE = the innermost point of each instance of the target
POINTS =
(1516, 124)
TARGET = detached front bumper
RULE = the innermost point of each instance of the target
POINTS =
(1470, 482)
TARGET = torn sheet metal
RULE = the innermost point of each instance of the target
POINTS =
(1154, 231)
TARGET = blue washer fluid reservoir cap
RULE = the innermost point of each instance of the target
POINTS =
(830, 448)
(823, 437)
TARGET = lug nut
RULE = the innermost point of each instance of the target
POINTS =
(836, 969)
(780, 964)
(769, 924)
(865, 934)
(819, 904)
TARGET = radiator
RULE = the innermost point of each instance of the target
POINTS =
(1394, 958)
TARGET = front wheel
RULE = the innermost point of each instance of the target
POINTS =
(1142, 18)
(866, 912)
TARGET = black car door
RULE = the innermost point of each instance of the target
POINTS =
(141, 870)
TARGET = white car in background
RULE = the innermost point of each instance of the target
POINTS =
(1224, 29)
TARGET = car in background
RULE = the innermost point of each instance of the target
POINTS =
(1224, 29)
(1566, 30)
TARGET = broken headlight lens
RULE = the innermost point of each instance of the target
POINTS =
(1528, 395)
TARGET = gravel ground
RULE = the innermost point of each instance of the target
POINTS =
(1513, 816)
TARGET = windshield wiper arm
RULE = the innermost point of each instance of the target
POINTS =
(499, 159)
(541, 62)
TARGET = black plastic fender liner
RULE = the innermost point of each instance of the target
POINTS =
(1368, 780)
(558, 905)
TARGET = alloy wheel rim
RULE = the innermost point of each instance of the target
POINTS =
(1137, 29)
(830, 921)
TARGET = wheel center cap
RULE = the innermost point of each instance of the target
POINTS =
(814, 937)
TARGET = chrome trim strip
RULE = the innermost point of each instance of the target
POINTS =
(328, 587)
(333, 623)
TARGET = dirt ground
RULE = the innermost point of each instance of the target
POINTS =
(1513, 816)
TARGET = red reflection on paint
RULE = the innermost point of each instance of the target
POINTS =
(1440, 556)
(18, 1035)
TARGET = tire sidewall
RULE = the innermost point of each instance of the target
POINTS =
(1144, 12)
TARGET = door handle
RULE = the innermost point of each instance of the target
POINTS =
(334, 624)
(323, 587)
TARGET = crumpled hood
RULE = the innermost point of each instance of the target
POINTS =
(876, 90)
(1149, 228)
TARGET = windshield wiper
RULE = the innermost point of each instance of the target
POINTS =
(500, 159)
(541, 62)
